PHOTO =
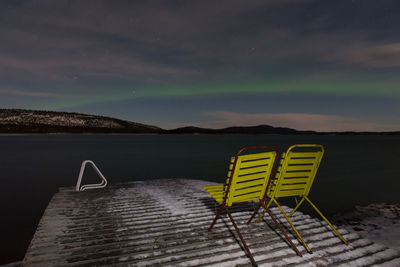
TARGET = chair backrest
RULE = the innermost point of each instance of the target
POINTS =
(297, 171)
(249, 175)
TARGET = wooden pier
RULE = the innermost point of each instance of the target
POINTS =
(164, 223)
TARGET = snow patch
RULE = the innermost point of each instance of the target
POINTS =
(166, 199)
(378, 222)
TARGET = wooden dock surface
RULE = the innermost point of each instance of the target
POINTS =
(164, 223)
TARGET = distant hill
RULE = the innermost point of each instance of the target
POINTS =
(264, 129)
(30, 121)
(260, 129)
(33, 121)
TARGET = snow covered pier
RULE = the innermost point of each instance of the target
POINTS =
(164, 223)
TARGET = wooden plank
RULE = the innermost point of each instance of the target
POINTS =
(230, 167)
(247, 190)
(257, 156)
(254, 163)
(301, 161)
(296, 174)
(249, 183)
(251, 177)
(217, 194)
(284, 187)
(295, 180)
(214, 187)
(299, 168)
(242, 172)
(247, 197)
(303, 155)
(281, 193)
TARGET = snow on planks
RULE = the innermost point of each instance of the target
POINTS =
(165, 222)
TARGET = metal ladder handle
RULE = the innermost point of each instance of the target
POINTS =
(90, 186)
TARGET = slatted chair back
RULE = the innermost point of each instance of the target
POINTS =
(248, 179)
(248, 176)
(296, 172)
(295, 177)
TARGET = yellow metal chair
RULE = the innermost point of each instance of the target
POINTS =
(294, 178)
(248, 179)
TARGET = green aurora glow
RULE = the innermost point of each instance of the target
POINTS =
(311, 87)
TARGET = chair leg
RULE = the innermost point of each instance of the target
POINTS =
(294, 228)
(262, 214)
(255, 212)
(216, 216)
(297, 206)
(241, 237)
(323, 217)
(282, 230)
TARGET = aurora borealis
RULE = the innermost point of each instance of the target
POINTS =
(310, 65)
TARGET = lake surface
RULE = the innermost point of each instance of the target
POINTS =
(355, 170)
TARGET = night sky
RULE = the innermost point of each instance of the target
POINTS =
(309, 65)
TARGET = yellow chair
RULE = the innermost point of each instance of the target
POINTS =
(294, 178)
(248, 179)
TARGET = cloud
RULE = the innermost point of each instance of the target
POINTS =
(97, 66)
(299, 121)
(169, 41)
(379, 56)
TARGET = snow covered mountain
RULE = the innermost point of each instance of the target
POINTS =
(30, 121)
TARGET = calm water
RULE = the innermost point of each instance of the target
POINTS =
(355, 169)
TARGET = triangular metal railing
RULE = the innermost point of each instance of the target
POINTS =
(90, 186)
